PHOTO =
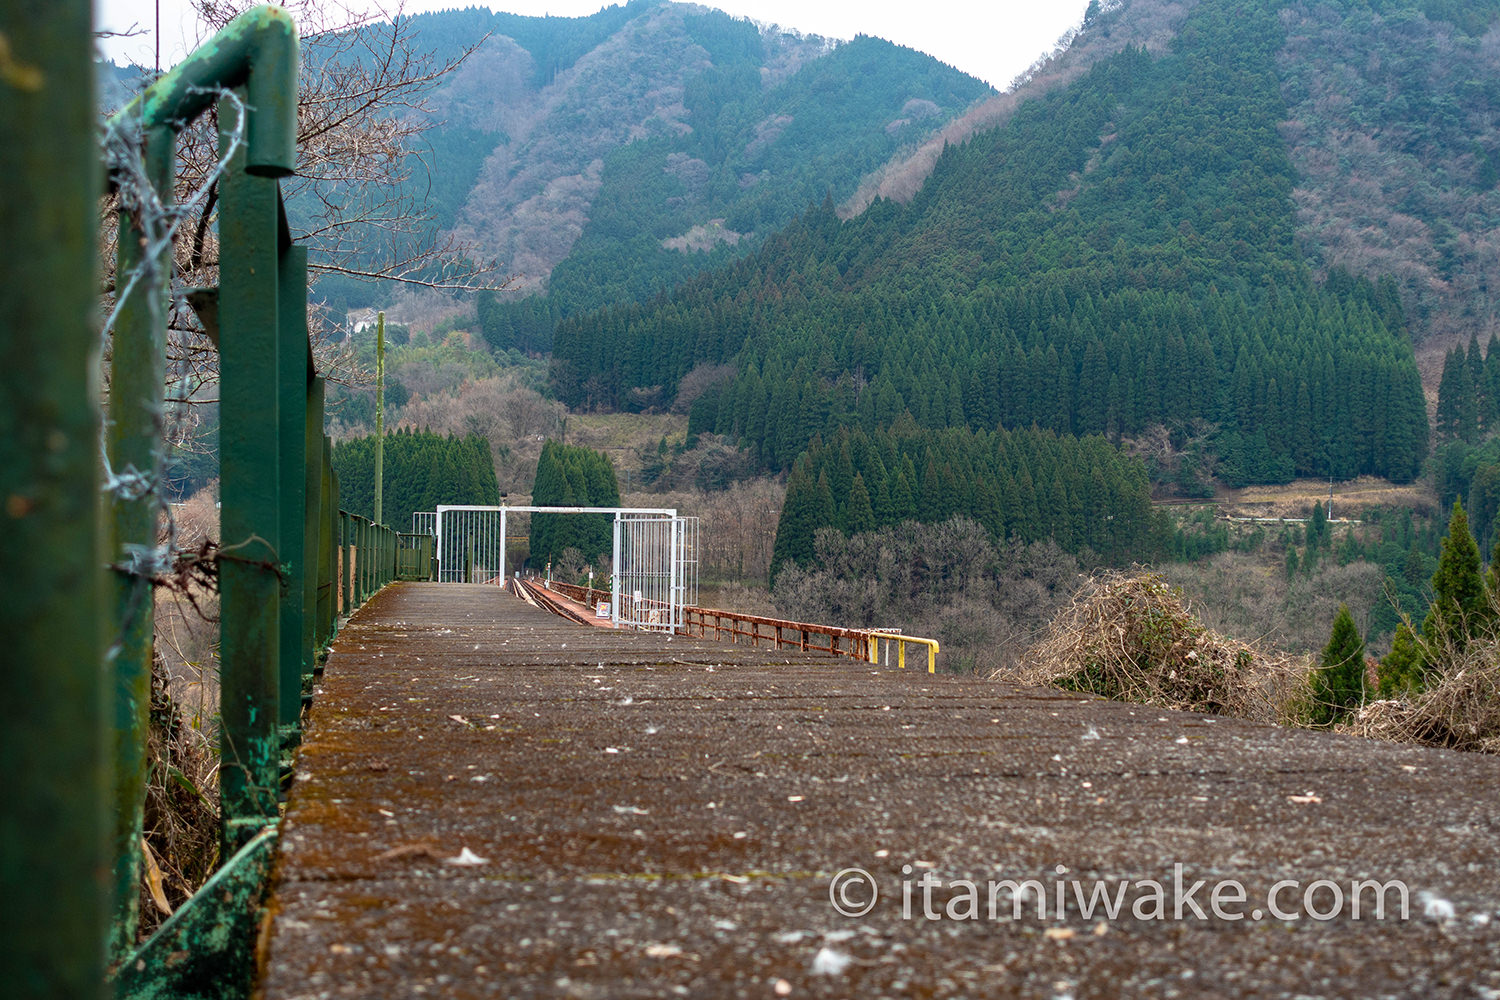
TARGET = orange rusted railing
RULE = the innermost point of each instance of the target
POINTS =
(733, 626)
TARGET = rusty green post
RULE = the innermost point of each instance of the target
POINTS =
(360, 556)
(259, 52)
(250, 480)
(387, 555)
(133, 444)
(366, 559)
(354, 565)
(334, 547)
(292, 360)
(344, 582)
(54, 699)
(313, 516)
(366, 555)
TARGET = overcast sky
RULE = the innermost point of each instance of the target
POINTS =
(994, 41)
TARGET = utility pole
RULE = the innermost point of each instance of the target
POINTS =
(380, 418)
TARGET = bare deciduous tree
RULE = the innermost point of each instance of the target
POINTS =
(357, 201)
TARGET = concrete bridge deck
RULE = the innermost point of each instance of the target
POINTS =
(493, 802)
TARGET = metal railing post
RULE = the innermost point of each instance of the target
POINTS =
(363, 559)
(327, 551)
(133, 446)
(342, 517)
(54, 855)
(356, 561)
(313, 516)
(293, 359)
(250, 482)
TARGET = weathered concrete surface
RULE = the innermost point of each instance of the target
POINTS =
(662, 817)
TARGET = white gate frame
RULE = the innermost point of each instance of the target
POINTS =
(676, 527)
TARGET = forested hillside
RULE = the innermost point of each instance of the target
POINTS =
(1393, 124)
(1120, 256)
(1028, 485)
(601, 159)
(422, 470)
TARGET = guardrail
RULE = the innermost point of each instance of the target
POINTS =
(778, 633)
(881, 639)
(858, 644)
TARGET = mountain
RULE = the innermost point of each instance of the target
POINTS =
(605, 158)
(1217, 224)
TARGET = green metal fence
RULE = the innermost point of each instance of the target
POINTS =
(80, 572)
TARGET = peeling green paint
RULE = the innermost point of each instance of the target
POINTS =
(206, 950)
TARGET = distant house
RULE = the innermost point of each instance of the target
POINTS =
(357, 320)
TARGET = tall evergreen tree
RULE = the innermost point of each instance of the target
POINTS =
(422, 470)
(798, 522)
(1401, 670)
(1458, 588)
(1474, 361)
(572, 476)
(1338, 684)
(861, 513)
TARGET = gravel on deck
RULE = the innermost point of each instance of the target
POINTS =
(493, 802)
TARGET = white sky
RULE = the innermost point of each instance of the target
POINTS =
(993, 40)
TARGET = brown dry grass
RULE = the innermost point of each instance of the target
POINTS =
(1134, 638)
(1459, 709)
(1296, 499)
(181, 825)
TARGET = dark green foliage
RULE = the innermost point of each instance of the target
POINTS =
(572, 476)
(1119, 256)
(1338, 684)
(1492, 577)
(1458, 402)
(194, 463)
(1458, 588)
(1401, 672)
(756, 156)
(1317, 526)
(1028, 485)
(422, 470)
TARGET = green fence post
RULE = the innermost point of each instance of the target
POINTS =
(292, 360)
(54, 701)
(356, 561)
(356, 565)
(133, 444)
(345, 584)
(314, 515)
(361, 556)
(250, 480)
(389, 564)
(335, 544)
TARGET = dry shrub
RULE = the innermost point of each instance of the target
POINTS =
(1134, 638)
(1459, 709)
(182, 814)
(181, 820)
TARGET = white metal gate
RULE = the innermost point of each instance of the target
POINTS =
(655, 556)
(656, 569)
(470, 544)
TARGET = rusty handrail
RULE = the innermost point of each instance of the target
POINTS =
(864, 643)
